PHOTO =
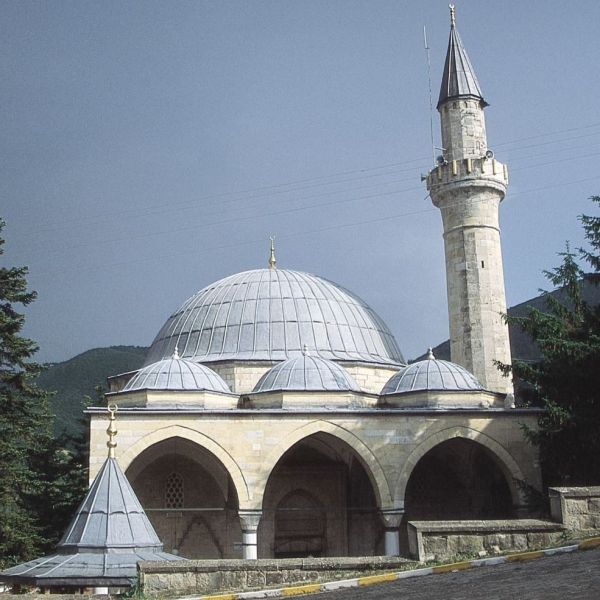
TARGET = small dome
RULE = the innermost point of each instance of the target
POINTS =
(307, 373)
(177, 374)
(431, 374)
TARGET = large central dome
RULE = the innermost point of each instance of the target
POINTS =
(272, 314)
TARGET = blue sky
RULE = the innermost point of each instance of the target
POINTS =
(150, 148)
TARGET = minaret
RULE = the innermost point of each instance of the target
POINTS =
(467, 185)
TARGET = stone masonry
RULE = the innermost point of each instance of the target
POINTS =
(468, 187)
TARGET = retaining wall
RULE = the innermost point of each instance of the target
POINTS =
(206, 576)
(578, 508)
(447, 540)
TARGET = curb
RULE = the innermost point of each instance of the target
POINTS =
(312, 588)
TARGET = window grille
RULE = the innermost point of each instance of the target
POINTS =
(174, 491)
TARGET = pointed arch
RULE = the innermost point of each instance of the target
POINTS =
(366, 457)
(173, 431)
(506, 462)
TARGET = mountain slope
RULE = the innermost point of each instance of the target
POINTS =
(79, 376)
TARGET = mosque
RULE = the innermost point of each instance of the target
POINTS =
(276, 416)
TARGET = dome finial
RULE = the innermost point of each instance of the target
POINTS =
(112, 430)
(305, 351)
(272, 259)
(176, 353)
(452, 15)
(430, 355)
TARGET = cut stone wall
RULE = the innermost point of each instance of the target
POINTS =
(451, 540)
(577, 508)
(207, 576)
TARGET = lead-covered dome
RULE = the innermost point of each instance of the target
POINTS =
(271, 314)
(176, 374)
(431, 375)
(306, 373)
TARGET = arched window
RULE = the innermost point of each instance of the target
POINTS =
(174, 491)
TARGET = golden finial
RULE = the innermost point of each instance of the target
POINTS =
(272, 259)
(111, 431)
(452, 15)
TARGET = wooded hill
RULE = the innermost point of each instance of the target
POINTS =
(79, 377)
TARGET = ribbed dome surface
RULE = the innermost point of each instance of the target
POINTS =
(271, 314)
(306, 373)
(176, 374)
(429, 375)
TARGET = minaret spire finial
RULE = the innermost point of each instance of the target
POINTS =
(272, 259)
(452, 15)
(111, 431)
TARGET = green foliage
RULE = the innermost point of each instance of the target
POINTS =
(42, 478)
(80, 377)
(566, 381)
(24, 421)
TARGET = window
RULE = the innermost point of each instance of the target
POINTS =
(174, 491)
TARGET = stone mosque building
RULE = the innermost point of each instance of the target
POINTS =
(276, 416)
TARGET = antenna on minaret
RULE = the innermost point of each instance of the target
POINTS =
(427, 49)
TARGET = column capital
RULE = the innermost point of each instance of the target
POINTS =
(250, 519)
(391, 517)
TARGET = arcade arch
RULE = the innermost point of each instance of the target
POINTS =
(190, 498)
(319, 500)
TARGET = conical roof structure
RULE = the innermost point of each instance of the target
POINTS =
(110, 517)
(108, 535)
(459, 79)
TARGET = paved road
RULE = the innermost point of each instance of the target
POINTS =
(574, 576)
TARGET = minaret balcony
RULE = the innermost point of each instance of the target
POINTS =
(468, 171)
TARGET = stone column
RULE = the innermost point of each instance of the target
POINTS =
(249, 520)
(391, 520)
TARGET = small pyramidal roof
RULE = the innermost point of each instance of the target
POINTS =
(108, 535)
(459, 78)
(110, 517)
(306, 373)
(431, 375)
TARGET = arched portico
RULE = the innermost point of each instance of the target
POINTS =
(190, 498)
(203, 441)
(319, 499)
(458, 474)
(364, 454)
(511, 470)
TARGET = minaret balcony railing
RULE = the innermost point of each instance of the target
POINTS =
(466, 169)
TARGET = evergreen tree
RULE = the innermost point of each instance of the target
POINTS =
(25, 422)
(566, 381)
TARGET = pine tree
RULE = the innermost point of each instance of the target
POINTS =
(25, 422)
(566, 381)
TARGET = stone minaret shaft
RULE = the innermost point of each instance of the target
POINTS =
(468, 186)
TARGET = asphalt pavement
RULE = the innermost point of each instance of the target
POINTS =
(573, 576)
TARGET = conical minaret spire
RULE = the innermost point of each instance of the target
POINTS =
(459, 79)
